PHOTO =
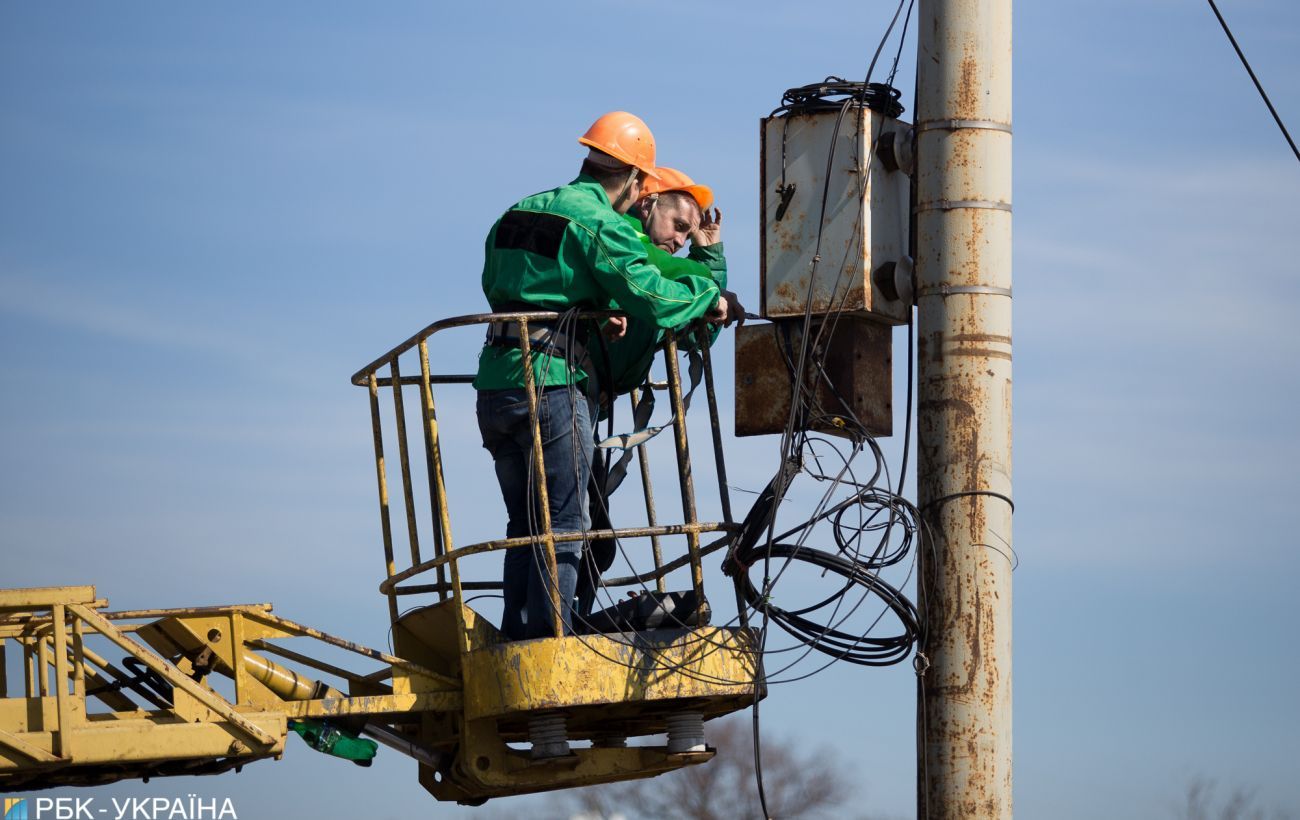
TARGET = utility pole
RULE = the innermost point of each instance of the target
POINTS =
(963, 271)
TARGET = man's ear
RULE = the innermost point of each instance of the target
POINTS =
(646, 205)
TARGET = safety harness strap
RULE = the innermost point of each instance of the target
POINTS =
(642, 433)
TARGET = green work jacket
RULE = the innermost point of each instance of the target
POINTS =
(567, 248)
(623, 364)
(707, 260)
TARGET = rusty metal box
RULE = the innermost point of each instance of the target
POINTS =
(854, 379)
(866, 217)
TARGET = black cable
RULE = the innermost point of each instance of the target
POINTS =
(856, 569)
(820, 97)
(858, 649)
(758, 762)
(967, 493)
(833, 92)
(851, 563)
(884, 39)
(1258, 86)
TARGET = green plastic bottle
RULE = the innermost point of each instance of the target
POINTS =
(330, 739)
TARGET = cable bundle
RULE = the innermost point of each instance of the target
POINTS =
(833, 93)
(880, 513)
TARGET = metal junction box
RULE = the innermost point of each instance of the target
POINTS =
(866, 215)
(855, 377)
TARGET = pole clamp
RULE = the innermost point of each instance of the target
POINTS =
(956, 125)
(955, 204)
(949, 290)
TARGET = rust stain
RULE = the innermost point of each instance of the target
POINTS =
(962, 146)
(786, 291)
(790, 241)
(968, 87)
(1006, 410)
(980, 337)
(974, 239)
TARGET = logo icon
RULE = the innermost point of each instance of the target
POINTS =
(15, 808)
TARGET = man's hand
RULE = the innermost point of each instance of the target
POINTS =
(615, 328)
(710, 230)
(735, 310)
(727, 310)
(719, 314)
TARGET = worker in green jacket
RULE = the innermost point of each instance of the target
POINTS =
(672, 210)
(562, 250)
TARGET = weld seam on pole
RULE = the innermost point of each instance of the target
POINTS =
(955, 204)
(954, 125)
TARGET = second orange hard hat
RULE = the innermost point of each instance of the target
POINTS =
(670, 179)
(624, 137)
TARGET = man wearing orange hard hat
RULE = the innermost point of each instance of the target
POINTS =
(674, 208)
(671, 210)
(566, 250)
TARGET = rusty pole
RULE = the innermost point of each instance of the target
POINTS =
(963, 269)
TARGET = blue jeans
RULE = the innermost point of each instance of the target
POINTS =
(568, 434)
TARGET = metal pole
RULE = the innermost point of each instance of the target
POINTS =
(381, 476)
(963, 269)
(643, 458)
(433, 466)
(684, 465)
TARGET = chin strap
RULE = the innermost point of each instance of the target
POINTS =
(627, 184)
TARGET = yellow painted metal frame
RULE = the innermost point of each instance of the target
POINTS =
(51, 734)
(443, 559)
(605, 686)
(112, 695)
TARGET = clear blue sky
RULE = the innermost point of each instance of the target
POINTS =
(212, 214)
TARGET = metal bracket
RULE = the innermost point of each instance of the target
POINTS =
(785, 192)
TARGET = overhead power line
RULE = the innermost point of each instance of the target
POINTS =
(1259, 87)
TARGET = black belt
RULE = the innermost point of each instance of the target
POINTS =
(541, 334)
(506, 334)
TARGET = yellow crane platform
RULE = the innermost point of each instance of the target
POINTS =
(110, 695)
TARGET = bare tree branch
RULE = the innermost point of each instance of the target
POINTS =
(1199, 803)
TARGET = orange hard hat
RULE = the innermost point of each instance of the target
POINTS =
(626, 138)
(670, 179)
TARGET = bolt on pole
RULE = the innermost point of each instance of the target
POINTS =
(963, 270)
